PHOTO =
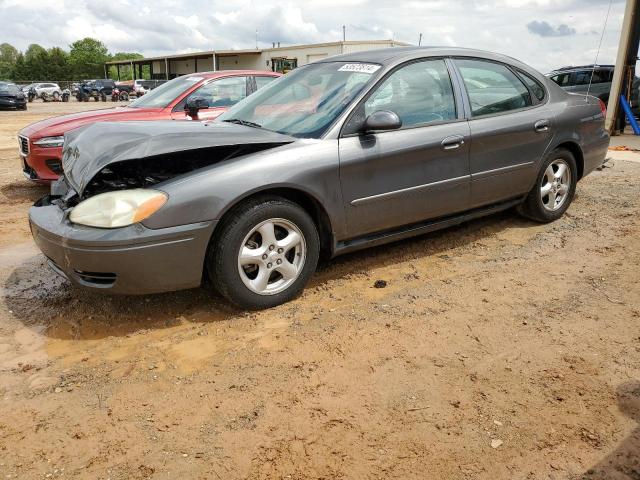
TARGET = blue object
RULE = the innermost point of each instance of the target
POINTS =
(630, 117)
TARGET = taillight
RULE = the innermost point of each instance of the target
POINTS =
(603, 107)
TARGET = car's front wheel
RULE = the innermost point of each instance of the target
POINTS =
(264, 253)
(554, 189)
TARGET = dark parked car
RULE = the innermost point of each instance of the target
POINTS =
(348, 152)
(96, 89)
(594, 78)
(11, 96)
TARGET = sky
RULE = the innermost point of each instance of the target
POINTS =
(546, 34)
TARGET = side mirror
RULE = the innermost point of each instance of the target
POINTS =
(194, 105)
(382, 120)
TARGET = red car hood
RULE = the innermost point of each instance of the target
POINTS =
(60, 125)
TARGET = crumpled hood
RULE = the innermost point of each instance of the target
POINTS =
(89, 149)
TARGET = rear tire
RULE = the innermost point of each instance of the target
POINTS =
(264, 253)
(554, 189)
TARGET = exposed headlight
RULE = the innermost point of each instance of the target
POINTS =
(50, 142)
(118, 209)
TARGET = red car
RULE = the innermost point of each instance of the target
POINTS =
(41, 142)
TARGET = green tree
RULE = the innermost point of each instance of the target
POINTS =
(87, 57)
(125, 71)
(20, 71)
(58, 68)
(36, 61)
(8, 56)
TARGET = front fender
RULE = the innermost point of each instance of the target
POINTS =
(308, 166)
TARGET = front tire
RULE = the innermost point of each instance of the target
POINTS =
(554, 189)
(264, 253)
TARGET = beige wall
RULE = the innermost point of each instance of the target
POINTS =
(158, 66)
(241, 62)
(362, 46)
(182, 67)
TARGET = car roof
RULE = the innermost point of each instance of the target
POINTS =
(582, 67)
(389, 56)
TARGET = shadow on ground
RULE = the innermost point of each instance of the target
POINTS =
(624, 462)
(37, 297)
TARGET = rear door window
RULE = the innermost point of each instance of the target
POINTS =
(492, 87)
(562, 79)
(536, 88)
(583, 77)
(263, 81)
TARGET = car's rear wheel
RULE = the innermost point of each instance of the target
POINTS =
(264, 253)
(554, 189)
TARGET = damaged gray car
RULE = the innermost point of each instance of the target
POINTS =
(349, 152)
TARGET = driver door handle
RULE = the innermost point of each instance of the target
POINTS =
(541, 126)
(453, 142)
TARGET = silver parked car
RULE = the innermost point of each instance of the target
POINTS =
(352, 151)
(595, 80)
(48, 89)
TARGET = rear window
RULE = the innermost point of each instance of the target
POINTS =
(263, 81)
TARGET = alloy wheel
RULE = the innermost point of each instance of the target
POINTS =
(555, 185)
(271, 256)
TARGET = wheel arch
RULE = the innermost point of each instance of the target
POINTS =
(304, 199)
(577, 153)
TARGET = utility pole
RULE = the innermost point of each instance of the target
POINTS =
(344, 33)
(626, 58)
(256, 39)
(420, 40)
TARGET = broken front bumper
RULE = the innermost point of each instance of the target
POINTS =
(130, 260)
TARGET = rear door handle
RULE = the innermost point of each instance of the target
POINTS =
(541, 126)
(452, 142)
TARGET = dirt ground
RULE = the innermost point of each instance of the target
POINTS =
(500, 349)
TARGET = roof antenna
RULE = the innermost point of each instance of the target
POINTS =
(420, 40)
(604, 27)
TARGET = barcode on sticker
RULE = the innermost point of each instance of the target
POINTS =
(359, 67)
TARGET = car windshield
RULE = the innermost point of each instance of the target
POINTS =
(9, 88)
(163, 95)
(305, 102)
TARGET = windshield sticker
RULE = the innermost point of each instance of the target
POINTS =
(360, 68)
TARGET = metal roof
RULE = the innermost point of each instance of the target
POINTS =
(254, 51)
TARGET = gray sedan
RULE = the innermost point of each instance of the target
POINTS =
(352, 151)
